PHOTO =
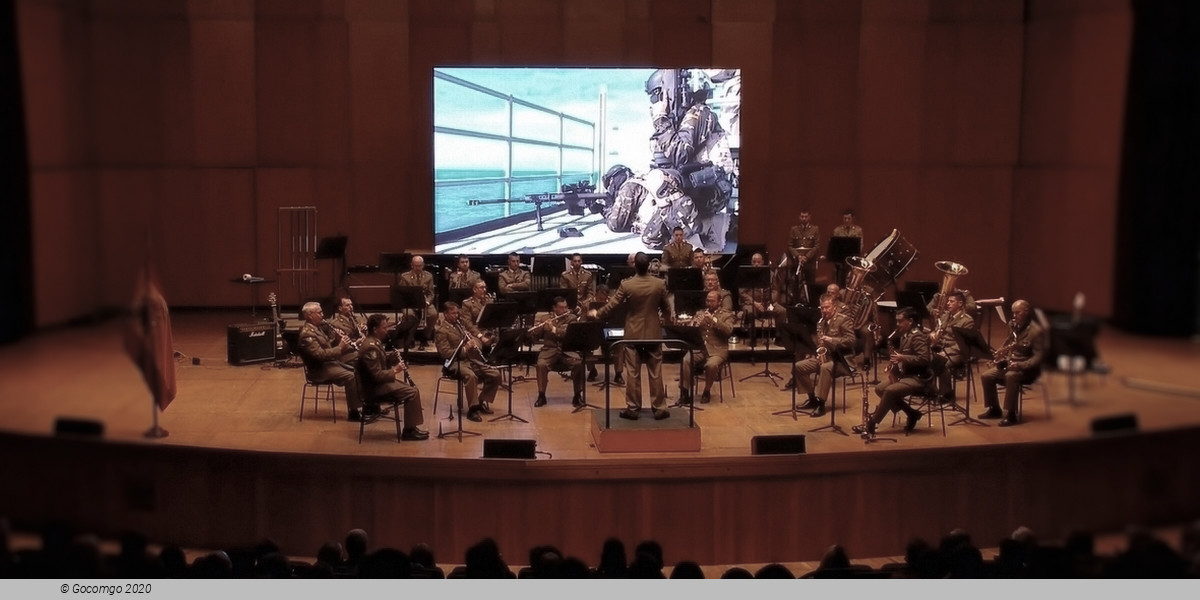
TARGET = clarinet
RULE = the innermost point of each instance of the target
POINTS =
(404, 367)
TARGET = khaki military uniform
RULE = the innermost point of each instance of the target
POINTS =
(582, 282)
(423, 280)
(950, 357)
(716, 332)
(552, 336)
(677, 255)
(326, 360)
(646, 305)
(913, 367)
(1024, 366)
(459, 279)
(838, 328)
(381, 385)
(466, 364)
(517, 280)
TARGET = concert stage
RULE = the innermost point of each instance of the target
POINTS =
(239, 465)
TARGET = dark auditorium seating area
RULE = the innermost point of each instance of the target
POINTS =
(59, 551)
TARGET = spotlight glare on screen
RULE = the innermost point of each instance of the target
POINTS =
(596, 160)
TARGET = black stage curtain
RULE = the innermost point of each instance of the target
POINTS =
(16, 238)
(1157, 282)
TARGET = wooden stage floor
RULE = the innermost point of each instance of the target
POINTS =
(82, 372)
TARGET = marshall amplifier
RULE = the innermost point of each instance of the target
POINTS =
(251, 343)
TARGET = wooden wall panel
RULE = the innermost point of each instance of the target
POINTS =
(65, 241)
(863, 104)
(771, 509)
(223, 66)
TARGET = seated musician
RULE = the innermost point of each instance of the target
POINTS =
(463, 277)
(834, 335)
(755, 301)
(716, 325)
(473, 307)
(700, 261)
(712, 283)
(864, 346)
(909, 364)
(1017, 362)
(459, 341)
(678, 253)
(329, 357)
(348, 322)
(514, 278)
(551, 328)
(383, 378)
(947, 356)
(417, 276)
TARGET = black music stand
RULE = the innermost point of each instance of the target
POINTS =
(453, 374)
(583, 337)
(914, 300)
(504, 355)
(457, 295)
(975, 348)
(689, 302)
(394, 263)
(616, 275)
(334, 248)
(927, 289)
(546, 296)
(1072, 338)
(757, 278)
(684, 278)
(840, 365)
(840, 248)
(404, 298)
(796, 337)
(692, 339)
(615, 318)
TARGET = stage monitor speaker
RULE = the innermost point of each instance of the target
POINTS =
(1123, 423)
(81, 427)
(777, 444)
(520, 449)
(251, 343)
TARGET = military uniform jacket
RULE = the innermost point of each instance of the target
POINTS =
(805, 237)
(749, 296)
(726, 299)
(377, 377)
(945, 332)
(853, 231)
(472, 308)
(1029, 348)
(716, 334)
(447, 336)
(316, 347)
(348, 325)
(582, 282)
(646, 297)
(914, 352)
(423, 280)
(840, 329)
(554, 339)
(458, 279)
(677, 254)
(514, 281)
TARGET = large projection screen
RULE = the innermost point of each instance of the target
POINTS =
(590, 160)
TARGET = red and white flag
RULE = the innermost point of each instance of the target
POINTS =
(148, 338)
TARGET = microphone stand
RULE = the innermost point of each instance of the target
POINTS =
(457, 378)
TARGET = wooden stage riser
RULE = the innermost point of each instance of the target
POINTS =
(720, 511)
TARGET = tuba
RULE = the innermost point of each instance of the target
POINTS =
(951, 271)
(858, 296)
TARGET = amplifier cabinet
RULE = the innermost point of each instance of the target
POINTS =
(251, 343)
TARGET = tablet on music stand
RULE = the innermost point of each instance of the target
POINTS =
(545, 297)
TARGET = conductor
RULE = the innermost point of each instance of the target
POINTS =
(647, 307)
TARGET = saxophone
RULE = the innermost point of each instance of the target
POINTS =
(1002, 354)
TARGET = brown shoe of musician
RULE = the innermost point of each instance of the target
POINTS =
(661, 414)
(630, 414)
